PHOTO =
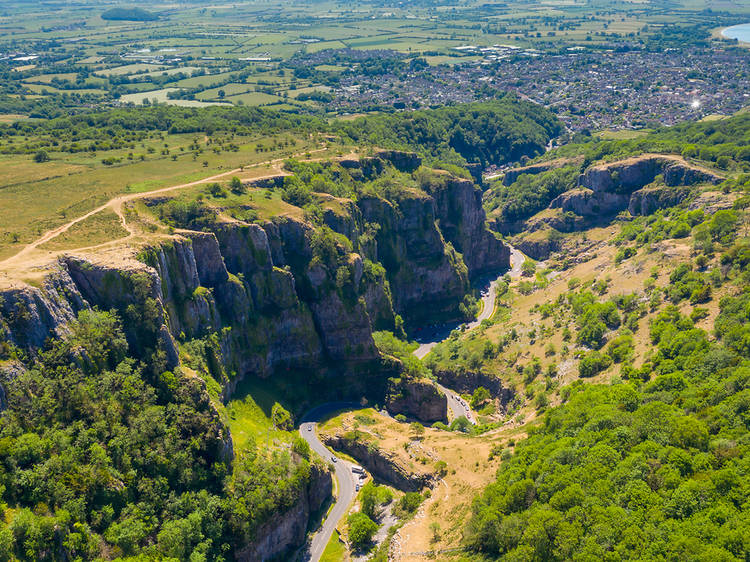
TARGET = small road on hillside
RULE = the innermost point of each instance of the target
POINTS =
(433, 336)
(343, 471)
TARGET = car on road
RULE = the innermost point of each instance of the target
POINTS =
(309, 427)
(356, 488)
(334, 459)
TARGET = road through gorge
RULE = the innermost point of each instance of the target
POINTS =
(342, 468)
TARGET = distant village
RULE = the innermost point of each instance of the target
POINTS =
(586, 89)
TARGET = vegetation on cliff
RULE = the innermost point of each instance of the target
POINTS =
(100, 455)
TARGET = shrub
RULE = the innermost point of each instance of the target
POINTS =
(593, 363)
(361, 529)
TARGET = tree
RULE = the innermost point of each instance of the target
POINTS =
(528, 268)
(41, 156)
(417, 430)
(480, 395)
(593, 363)
(361, 529)
(368, 500)
(461, 423)
(235, 185)
(281, 417)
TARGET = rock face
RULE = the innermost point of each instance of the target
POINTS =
(383, 465)
(418, 398)
(626, 176)
(269, 306)
(286, 530)
(650, 199)
(468, 381)
(426, 277)
(458, 207)
(607, 189)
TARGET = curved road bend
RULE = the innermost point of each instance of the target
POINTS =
(343, 473)
(455, 403)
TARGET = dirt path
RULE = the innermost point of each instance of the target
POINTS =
(24, 259)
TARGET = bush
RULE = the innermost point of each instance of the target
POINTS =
(361, 529)
(409, 502)
(593, 363)
(281, 417)
(41, 156)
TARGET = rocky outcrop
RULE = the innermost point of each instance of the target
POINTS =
(650, 199)
(712, 201)
(588, 203)
(402, 161)
(539, 244)
(418, 398)
(631, 174)
(286, 531)
(462, 222)
(606, 189)
(467, 382)
(427, 278)
(29, 315)
(383, 465)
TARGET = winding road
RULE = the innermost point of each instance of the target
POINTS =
(431, 338)
(343, 469)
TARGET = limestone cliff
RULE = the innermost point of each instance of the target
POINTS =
(382, 464)
(462, 221)
(416, 398)
(287, 530)
(640, 185)
(626, 176)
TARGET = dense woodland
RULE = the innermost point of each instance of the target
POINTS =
(105, 453)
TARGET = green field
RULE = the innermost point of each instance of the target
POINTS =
(131, 57)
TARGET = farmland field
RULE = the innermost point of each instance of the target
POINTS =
(239, 43)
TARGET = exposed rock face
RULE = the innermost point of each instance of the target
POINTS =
(402, 161)
(383, 465)
(419, 398)
(427, 279)
(650, 199)
(458, 205)
(286, 531)
(605, 190)
(626, 176)
(712, 201)
(587, 202)
(536, 247)
(469, 381)
(29, 315)
(613, 187)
